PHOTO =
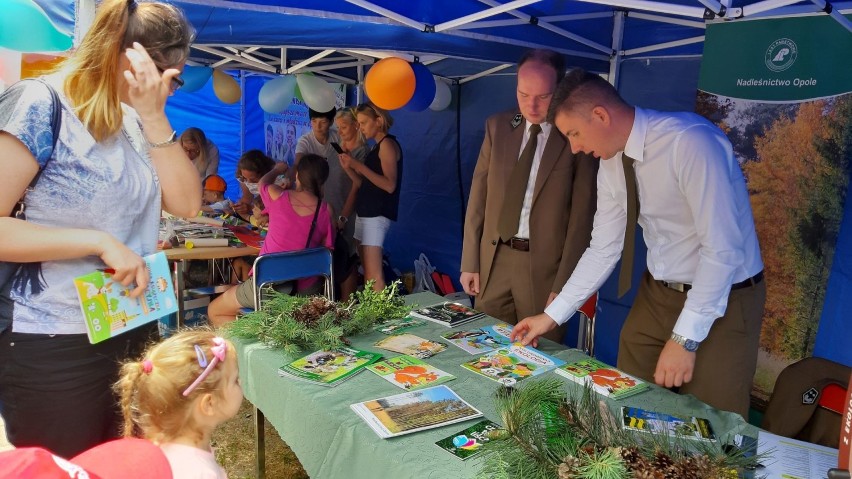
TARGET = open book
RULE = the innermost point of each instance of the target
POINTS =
(108, 310)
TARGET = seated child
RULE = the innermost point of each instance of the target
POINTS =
(291, 214)
(251, 167)
(213, 197)
(178, 393)
(259, 218)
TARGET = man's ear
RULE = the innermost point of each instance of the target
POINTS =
(601, 114)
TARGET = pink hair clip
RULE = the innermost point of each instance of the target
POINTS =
(219, 349)
(147, 366)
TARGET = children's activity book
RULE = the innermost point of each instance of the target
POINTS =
(513, 364)
(605, 380)
(448, 314)
(108, 310)
(410, 373)
(398, 325)
(481, 340)
(329, 368)
(687, 427)
(468, 442)
(412, 345)
(414, 411)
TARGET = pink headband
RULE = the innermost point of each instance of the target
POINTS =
(219, 349)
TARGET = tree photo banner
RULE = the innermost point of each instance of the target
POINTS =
(780, 89)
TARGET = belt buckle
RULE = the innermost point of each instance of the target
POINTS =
(519, 244)
(679, 287)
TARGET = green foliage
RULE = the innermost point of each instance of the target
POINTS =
(294, 323)
(554, 436)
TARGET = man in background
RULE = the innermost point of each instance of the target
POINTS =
(532, 201)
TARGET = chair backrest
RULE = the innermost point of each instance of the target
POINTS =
(281, 267)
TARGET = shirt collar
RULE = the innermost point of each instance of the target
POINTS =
(635, 146)
(545, 127)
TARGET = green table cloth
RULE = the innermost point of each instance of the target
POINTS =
(331, 441)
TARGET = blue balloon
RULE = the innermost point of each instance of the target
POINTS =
(194, 78)
(25, 27)
(424, 89)
(276, 95)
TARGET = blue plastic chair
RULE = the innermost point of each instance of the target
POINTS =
(275, 268)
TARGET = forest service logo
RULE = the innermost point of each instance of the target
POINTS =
(781, 54)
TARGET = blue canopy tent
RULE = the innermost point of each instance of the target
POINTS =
(650, 49)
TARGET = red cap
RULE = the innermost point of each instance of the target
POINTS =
(129, 458)
(215, 183)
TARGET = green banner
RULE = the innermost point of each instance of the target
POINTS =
(778, 59)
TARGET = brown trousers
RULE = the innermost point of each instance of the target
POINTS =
(725, 362)
(509, 295)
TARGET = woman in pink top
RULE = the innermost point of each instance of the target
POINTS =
(291, 213)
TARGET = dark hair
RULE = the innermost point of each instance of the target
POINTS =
(258, 201)
(313, 171)
(548, 57)
(328, 115)
(580, 89)
(255, 161)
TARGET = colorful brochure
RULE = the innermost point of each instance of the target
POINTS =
(412, 345)
(686, 427)
(108, 310)
(513, 364)
(410, 373)
(481, 340)
(468, 442)
(329, 368)
(605, 380)
(398, 325)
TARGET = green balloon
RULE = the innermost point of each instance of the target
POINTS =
(24, 27)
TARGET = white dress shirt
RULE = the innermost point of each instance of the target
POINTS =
(694, 211)
(524, 221)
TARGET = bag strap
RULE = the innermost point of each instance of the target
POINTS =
(313, 224)
(55, 126)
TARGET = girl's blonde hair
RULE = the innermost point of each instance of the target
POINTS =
(375, 112)
(151, 389)
(92, 83)
(200, 139)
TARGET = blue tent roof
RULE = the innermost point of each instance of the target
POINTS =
(590, 33)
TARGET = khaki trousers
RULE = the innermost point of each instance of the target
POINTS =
(725, 361)
(509, 295)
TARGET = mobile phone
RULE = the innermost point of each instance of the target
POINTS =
(336, 147)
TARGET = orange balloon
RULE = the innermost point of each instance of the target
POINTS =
(390, 83)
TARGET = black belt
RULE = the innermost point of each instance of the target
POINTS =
(684, 287)
(520, 244)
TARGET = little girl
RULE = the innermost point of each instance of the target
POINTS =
(291, 214)
(176, 395)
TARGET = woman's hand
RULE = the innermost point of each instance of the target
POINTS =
(346, 160)
(242, 208)
(148, 88)
(129, 267)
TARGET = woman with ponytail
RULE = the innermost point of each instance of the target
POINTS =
(291, 227)
(102, 174)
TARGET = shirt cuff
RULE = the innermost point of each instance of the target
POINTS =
(560, 310)
(692, 325)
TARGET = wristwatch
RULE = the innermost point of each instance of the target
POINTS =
(343, 219)
(169, 142)
(688, 344)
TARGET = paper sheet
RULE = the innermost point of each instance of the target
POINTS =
(785, 458)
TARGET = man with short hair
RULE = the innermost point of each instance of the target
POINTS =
(675, 173)
(532, 201)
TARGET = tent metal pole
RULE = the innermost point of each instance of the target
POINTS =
(490, 12)
(238, 59)
(485, 73)
(765, 5)
(389, 14)
(663, 46)
(617, 38)
(833, 13)
(359, 88)
(283, 60)
(659, 7)
(671, 20)
(310, 60)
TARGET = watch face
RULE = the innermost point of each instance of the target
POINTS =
(691, 345)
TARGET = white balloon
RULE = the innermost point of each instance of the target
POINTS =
(276, 95)
(443, 96)
(318, 94)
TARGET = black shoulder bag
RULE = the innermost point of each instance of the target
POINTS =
(18, 276)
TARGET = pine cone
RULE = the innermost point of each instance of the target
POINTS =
(568, 468)
(662, 461)
(630, 455)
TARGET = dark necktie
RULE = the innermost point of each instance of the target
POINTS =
(513, 201)
(626, 274)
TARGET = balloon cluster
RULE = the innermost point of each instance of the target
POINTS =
(276, 95)
(394, 83)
